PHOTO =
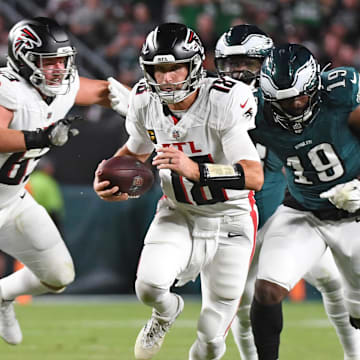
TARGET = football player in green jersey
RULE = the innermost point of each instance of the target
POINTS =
(239, 54)
(311, 121)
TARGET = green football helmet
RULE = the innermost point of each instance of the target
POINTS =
(289, 72)
(240, 52)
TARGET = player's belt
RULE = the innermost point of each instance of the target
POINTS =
(335, 214)
(322, 214)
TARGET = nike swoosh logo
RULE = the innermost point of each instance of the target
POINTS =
(243, 105)
(354, 79)
(230, 235)
(23, 195)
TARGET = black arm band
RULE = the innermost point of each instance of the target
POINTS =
(36, 139)
(225, 176)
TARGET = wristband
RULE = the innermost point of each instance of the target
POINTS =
(225, 176)
(36, 139)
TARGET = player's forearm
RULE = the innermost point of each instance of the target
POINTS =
(254, 174)
(246, 174)
(12, 141)
(93, 92)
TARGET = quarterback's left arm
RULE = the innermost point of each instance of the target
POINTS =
(244, 174)
(254, 174)
(93, 92)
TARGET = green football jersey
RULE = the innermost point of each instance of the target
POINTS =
(272, 193)
(326, 153)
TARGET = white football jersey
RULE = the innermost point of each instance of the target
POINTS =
(213, 130)
(30, 112)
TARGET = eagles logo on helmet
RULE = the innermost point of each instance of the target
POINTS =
(240, 52)
(291, 71)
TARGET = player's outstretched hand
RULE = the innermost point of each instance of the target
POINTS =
(344, 196)
(119, 96)
(60, 132)
(57, 134)
(102, 188)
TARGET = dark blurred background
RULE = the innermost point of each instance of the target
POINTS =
(105, 239)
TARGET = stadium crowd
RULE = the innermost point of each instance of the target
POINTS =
(109, 33)
(115, 30)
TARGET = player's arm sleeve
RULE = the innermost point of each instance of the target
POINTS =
(138, 141)
(239, 117)
(238, 145)
(241, 108)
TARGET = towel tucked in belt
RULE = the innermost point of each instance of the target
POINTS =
(205, 235)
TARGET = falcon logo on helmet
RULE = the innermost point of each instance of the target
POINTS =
(173, 43)
(193, 42)
(30, 43)
(27, 39)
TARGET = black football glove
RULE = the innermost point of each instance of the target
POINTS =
(56, 134)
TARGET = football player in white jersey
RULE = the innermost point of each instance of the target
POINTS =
(239, 54)
(206, 221)
(37, 89)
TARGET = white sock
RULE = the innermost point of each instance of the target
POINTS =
(21, 282)
(339, 317)
(242, 333)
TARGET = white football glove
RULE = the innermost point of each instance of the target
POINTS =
(119, 96)
(344, 196)
(60, 132)
(57, 134)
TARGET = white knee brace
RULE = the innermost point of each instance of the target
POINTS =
(59, 278)
(164, 302)
(149, 294)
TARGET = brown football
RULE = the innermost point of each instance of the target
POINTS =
(128, 173)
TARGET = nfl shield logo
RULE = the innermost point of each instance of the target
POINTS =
(175, 134)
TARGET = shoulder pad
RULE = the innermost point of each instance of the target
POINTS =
(11, 87)
(9, 75)
(233, 100)
(140, 93)
(222, 89)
